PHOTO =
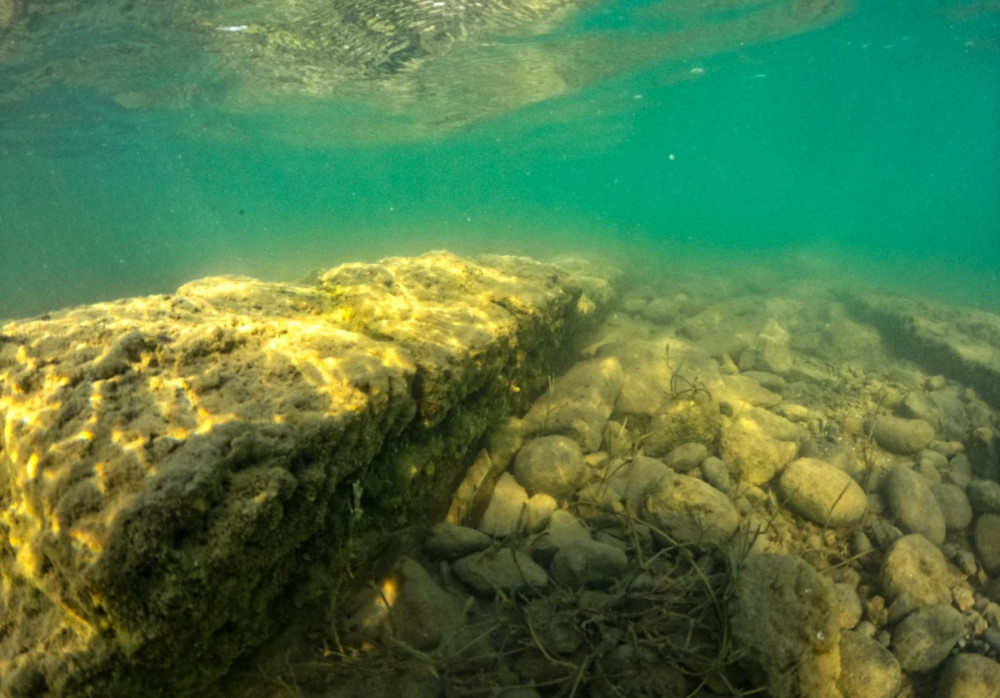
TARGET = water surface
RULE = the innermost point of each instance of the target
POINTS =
(143, 146)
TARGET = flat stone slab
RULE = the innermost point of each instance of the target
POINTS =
(180, 473)
(961, 343)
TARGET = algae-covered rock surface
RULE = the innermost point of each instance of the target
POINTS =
(180, 473)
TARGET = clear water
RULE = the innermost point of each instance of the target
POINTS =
(139, 150)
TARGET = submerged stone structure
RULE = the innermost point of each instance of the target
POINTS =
(181, 474)
(961, 343)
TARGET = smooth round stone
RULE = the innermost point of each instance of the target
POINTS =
(861, 544)
(775, 425)
(919, 405)
(591, 564)
(537, 511)
(923, 639)
(867, 669)
(618, 441)
(913, 503)
(743, 388)
(948, 449)
(754, 454)
(928, 471)
(645, 376)
(564, 530)
(632, 479)
(552, 465)
(691, 510)
(423, 613)
(982, 443)
(992, 638)
(938, 460)
(915, 568)
(795, 413)
(661, 310)
(579, 403)
(448, 541)
(716, 473)
(822, 493)
(984, 496)
(967, 675)
(834, 453)
(959, 470)
(503, 570)
(987, 539)
(505, 511)
(966, 562)
(902, 436)
(954, 505)
(882, 532)
(686, 457)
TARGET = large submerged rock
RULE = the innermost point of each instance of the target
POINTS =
(180, 473)
(785, 613)
(961, 343)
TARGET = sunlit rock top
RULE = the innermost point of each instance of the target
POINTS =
(176, 467)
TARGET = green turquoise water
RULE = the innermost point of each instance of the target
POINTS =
(867, 147)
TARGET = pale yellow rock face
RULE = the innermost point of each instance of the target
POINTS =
(755, 454)
(821, 493)
(784, 615)
(690, 510)
(168, 463)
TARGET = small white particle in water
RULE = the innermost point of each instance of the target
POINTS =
(697, 71)
(232, 28)
(670, 157)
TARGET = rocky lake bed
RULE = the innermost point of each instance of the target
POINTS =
(720, 488)
(729, 493)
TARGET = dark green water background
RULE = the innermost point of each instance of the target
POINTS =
(869, 148)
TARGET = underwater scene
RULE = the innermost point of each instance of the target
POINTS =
(501, 348)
